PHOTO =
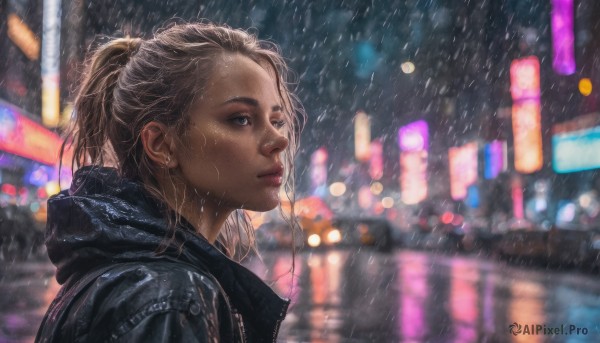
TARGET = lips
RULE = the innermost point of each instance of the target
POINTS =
(273, 177)
(275, 171)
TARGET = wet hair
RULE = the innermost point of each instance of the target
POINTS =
(129, 82)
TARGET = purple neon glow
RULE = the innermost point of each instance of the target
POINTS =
(414, 136)
(494, 159)
(563, 41)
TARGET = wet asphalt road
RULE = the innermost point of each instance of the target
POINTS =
(367, 296)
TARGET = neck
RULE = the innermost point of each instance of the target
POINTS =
(206, 218)
(206, 215)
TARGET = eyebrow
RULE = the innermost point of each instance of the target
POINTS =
(251, 102)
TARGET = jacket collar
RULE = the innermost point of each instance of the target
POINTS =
(104, 218)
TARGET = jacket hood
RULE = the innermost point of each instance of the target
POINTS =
(105, 219)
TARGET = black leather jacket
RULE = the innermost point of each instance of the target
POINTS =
(103, 234)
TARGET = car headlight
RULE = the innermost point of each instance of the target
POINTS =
(314, 240)
(334, 236)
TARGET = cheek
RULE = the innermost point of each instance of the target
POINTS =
(222, 160)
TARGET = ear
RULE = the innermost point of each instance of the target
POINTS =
(159, 145)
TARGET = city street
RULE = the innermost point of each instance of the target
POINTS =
(438, 161)
(367, 296)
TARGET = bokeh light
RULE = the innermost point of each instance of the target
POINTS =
(337, 189)
(585, 86)
(407, 67)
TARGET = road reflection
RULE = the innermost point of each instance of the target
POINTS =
(26, 290)
(367, 296)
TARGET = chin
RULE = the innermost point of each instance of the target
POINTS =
(263, 205)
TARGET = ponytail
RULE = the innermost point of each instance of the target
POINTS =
(93, 106)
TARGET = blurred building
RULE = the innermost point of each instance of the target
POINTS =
(400, 61)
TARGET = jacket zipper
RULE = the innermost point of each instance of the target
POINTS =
(278, 324)
(242, 326)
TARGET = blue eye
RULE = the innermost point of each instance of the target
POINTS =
(241, 120)
(278, 124)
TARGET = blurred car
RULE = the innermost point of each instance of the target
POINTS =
(375, 232)
(278, 234)
(568, 247)
(443, 232)
(482, 240)
(321, 232)
(524, 245)
(557, 247)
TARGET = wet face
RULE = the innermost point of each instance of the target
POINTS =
(231, 151)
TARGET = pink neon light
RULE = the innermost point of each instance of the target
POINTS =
(376, 162)
(525, 78)
(517, 197)
(414, 136)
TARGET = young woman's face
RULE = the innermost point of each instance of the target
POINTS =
(232, 148)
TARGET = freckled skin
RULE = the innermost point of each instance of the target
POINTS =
(229, 144)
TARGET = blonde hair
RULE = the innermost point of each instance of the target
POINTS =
(130, 82)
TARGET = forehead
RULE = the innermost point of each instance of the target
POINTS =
(238, 75)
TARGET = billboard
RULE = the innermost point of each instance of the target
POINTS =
(526, 114)
(527, 131)
(24, 137)
(413, 141)
(525, 78)
(463, 169)
(576, 143)
(413, 176)
(563, 37)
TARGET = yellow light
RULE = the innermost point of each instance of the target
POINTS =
(314, 240)
(585, 86)
(376, 188)
(387, 202)
(50, 101)
(337, 189)
(334, 236)
(52, 188)
(66, 116)
(23, 37)
(407, 67)
(527, 133)
(362, 137)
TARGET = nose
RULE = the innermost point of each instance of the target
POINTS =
(275, 142)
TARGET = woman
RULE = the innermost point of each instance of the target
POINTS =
(173, 136)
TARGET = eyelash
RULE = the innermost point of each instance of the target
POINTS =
(237, 119)
(278, 124)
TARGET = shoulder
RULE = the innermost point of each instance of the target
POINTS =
(126, 296)
(144, 281)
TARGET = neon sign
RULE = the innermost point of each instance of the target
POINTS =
(22, 136)
(563, 38)
(527, 131)
(463, 169)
